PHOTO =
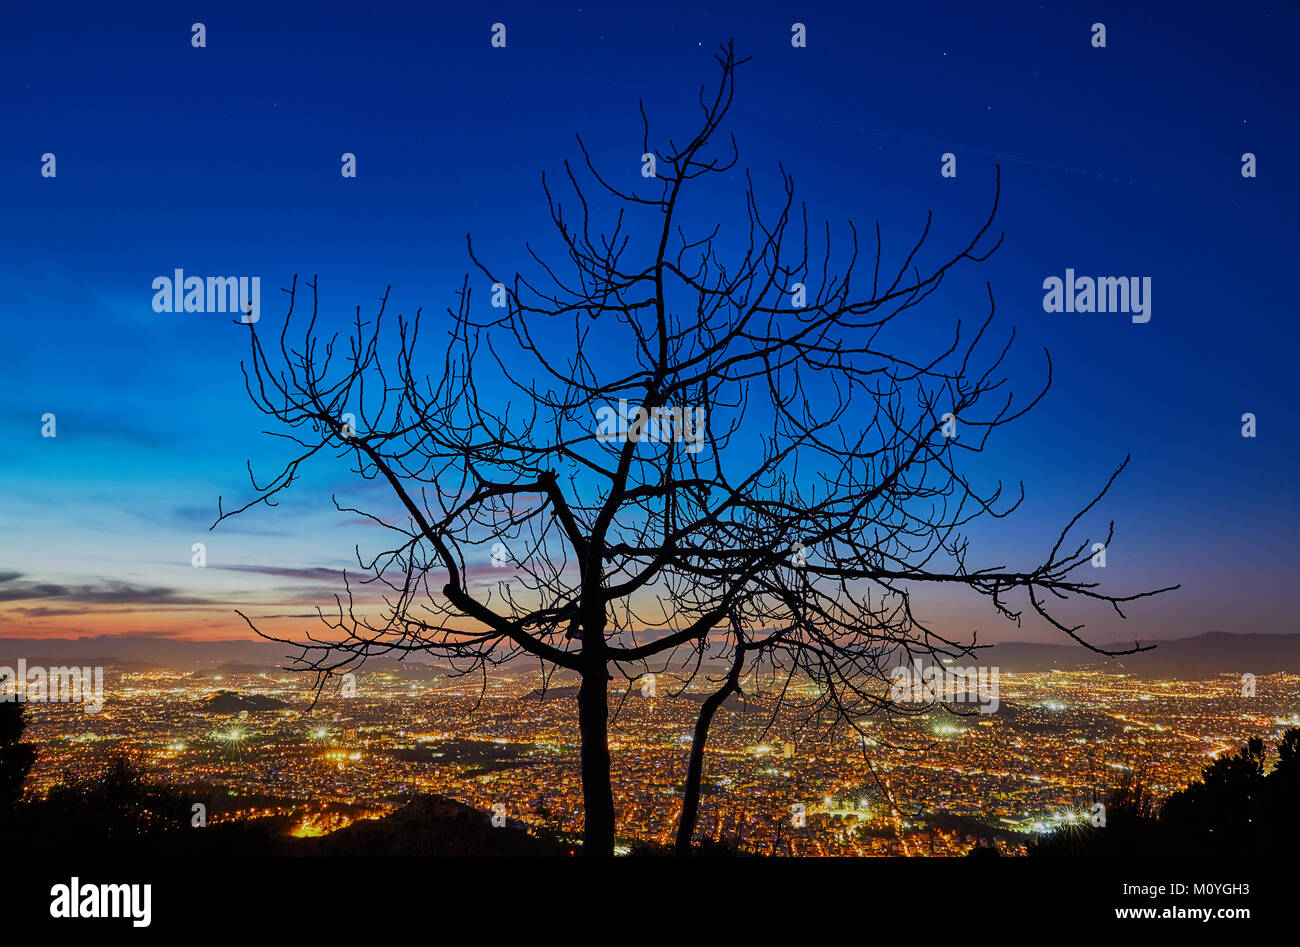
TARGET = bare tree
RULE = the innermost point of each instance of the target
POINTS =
(680, 457)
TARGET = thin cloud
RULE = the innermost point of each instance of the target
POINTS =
(106, 592)
(309, 574)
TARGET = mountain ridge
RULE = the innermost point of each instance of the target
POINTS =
(1193, 657)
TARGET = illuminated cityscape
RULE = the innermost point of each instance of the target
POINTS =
(937, 783)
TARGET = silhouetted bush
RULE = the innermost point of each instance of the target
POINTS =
(16, 757)
(1235, 809)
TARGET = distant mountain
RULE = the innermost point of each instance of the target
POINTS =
(231, 668)
(1190, 659)
(154, 651)
(228, 702)
(249, 656)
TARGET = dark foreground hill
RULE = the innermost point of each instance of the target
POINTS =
(429, 826)
(118, 816)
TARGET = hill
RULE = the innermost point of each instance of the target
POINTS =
(228, 702)
(430, 826)
(1190, 659)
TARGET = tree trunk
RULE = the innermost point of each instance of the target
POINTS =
(597, 793)
(695, 767)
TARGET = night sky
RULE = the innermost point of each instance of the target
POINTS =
(225, 160)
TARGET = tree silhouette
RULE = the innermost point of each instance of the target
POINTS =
(695, 443)
(16, 757)
(1277, 831)
(112, 810)
(1219, 812)
(1236, 808)
(1130, 829)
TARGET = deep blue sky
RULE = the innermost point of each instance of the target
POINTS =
(225, 160)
